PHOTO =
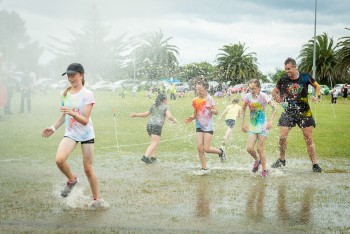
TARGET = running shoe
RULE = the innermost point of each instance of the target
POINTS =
(154, 159)
(146, 159)
(222, 155)
(202, 172)
(316, 168)
(264, 173)
(256, 166)
(69, 186)
(96, 203)
(278, 163)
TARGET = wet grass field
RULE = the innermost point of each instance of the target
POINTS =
(166, 197)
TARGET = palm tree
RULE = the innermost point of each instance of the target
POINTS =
(343, 54)
(234, 64)
(326, 59)
(155, 57)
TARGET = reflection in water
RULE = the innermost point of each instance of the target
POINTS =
(255, 202)
(203, 198)
(301, 217)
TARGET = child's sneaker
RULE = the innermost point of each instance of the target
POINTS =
(146, 159)
(202, 172)
(264, 173)
(256, 166)
(153, 159)
(278, 163)
(96, 203)
(69, 186)
(222, 155)
(316, 168)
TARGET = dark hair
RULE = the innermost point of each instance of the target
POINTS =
(235, 100)
(160, 98)
(291, 61)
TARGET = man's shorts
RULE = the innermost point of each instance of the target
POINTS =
(292, 118)
(200, 130)
(230, 123)
(153, 129)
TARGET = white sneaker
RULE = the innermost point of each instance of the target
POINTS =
(202, 172)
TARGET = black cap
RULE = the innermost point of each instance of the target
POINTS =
(74, 68)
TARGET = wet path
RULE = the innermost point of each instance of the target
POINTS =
(167, 198)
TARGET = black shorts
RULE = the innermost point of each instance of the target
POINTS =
(200, 130)
(153, 129)
(291, 118)
(91, 141)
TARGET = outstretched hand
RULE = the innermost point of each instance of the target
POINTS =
(46, 132)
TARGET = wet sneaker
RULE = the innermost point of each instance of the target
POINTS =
(69, 186)
(222, 155)
(278, 163)
(146, 159)
(154, 159)
(96, 203)
(202, 172)
(264, 173)
(316, 168)
(256, 166)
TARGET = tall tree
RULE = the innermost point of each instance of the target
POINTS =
(92, 47)
(235, 65)
(154, 57)
(18, 52)
(343, 54)
(189, 71)
(326, 59)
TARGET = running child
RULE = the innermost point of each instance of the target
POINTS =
(204, 109)
(232, 112)
(256, 101)
(157, 112)
(76, 107)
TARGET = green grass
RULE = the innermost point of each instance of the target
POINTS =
(20, 133)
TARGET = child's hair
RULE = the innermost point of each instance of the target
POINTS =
(255, 81)
(200, 80)
(160, 98)
(235, 101)
(68, 88)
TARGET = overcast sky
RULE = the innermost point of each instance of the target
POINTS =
(273, 29)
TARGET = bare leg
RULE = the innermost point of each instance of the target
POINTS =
(228, 134)
(310, 144)
(251, 140)
(200, 148)
(207, 145)
(88, 154)
(261, 150)
(151, 150)
(283, 141)
(65, 148)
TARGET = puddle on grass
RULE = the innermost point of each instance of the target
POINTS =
(168, 197)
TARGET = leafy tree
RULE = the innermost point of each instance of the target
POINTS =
(235, 65)
(18, 52)
(155, 57)
(277, 75)
(91, 47)
(343, 55)
(326, 59)
(189, 71)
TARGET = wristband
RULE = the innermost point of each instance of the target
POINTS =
(53, 128)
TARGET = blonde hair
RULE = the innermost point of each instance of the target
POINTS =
(255, 81)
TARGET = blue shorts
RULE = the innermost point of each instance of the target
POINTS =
(264, 133)
(230, 123)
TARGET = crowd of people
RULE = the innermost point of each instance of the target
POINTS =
(290, 92)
